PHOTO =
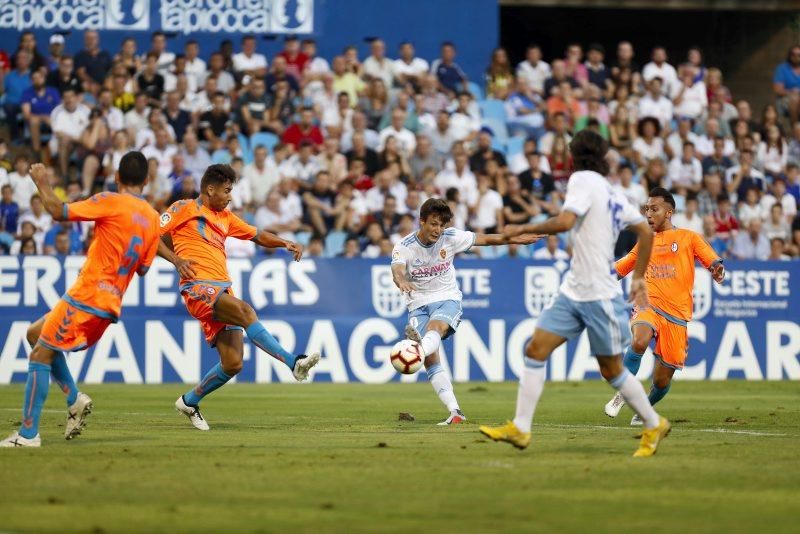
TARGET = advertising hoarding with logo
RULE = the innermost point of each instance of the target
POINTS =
(351, 312)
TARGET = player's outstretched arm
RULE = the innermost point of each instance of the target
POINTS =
(644, 234)
(51, 202)
(483, 240)
(562, 222)
(399, 278)
(184, 267)
(270, 240)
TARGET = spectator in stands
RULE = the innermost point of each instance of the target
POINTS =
(707, 197)
(248, 62)
(112, 116)
(397, 129)
(162, 150)
(433, 100)
(361, 151)
(622, 132)
(685, 172)
(484, 152)
(63, 238)
(773, 152)
(120, 145)
(274, 217)
(659, 68)
(560, 162)
(38, 102)
(689, 93)
(371, 242)
(551, 251)
(92, 64)
(279, 73)
(459, 176)
(332, 161)
(352, 248)
(187, 191)
(261, 174)
(720, 245)
(442, 136)
(15, 83)
(534, 71)
(150, 81)
(9, 210)
(655, 104)
(377, 66)
(196, 68)
(742, 177)
(315, 248)
(64, 76)
(296, 60)
(717, 161)
(165, 58)
(136, 119)
(598, 74)
(305, 130)
(487, 212)
(408, 69)
(466, 119)
(302, 166)
(451, 78)
(649, 144)
(777, 225)
(563, 100)
(95, 141)
(352, 63)
(178, 118)
(786, 84)
(499, 76)
(320, 209)
(559, 76)
(522, 111)
(778, 194)
(424, 157)
(752, 244)
(593, 113)
(634, 192)
(216, 69)
(375, 102)
(68, 122)
(726, 223)
(388, 217)
(689, 218)
(345, 80)
(518, 208)
(212, 123)
(558, 130)
(27, 43)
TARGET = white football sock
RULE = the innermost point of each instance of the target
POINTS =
(634, 394)
(431, 342)
(531, 385)
(442, 386)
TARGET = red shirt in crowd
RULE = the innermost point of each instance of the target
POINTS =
(725, 224)
(294, 135)
(295, 65)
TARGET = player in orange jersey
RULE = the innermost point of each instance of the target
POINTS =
(193, 239)
(125, 243)
(670, 281)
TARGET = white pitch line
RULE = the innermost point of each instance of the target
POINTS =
(711, 430)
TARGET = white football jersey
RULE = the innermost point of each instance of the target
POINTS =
(602, 213)
(430, 268)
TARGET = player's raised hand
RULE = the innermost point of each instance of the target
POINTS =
(638, 293)
(525, 239)
(513, 230)
(296, 249)
(718, 273)
(184, 268)
(38, 174)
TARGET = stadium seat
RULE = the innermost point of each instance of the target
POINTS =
(247, 154)
(269, 140)
(476, 90)
(334, 243)
(303, 238)
(499, 145)
(514, 146)
(493, 109)
(498, 128)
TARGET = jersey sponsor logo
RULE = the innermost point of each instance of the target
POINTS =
(165, 219)
(701, 294)
(387, 300)
(541, 287)
(429, 272)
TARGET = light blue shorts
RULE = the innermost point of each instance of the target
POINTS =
(606, 322)
(448, 311)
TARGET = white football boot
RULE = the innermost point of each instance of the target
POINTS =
(303, 364)
(637, 421)
(15, 440)
(77, 414)
(615, 405)
(456, 417)
(412, 334)
(193, 413)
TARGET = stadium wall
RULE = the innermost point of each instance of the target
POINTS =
(351, 312)
(472, 24)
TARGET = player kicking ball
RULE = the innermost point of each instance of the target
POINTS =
(590, 297)
(422, 268)
(125, 243)
(193, 236)
(670, 280)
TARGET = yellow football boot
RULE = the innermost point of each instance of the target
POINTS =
(651, 437)
(508, 433)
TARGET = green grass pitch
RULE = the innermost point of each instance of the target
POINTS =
(323, 457)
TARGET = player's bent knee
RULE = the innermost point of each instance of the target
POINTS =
(232, 368)
(661, 381)
(535, 352)
(32, 335)
(247, 313)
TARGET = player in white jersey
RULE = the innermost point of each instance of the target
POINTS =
(590, 298)
(422, 267)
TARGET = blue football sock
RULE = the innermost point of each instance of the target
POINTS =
(266, 342)
(214, 379)
(35, 395)
(64, 378)
(632, 361)
(657, 393)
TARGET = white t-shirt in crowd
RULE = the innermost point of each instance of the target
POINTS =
(666, 72)
(534, 75)
(417, 67)
(406, 139)
(242, 62)
(23, 188)
(486, 213)
(430, 268)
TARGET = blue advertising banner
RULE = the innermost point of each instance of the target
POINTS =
(471, 24)
(350, 311)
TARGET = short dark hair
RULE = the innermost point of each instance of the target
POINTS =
(660, 192)
(218, 174)
(589, 151)
(435, 207)
(133, 168)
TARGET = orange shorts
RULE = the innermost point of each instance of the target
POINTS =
(200, 299)
(68, 329)
(672, 339)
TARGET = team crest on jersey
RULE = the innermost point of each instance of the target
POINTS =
(210, 290)
(443, 253)
(674, 246)
(701, 294)
(541, 287)
(387, 300)
(165, 219)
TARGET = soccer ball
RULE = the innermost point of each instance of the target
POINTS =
(407, 356)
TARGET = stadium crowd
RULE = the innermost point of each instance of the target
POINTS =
(339, 153)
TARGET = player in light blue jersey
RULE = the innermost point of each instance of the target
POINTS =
(422, 267)
(590, 298)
